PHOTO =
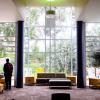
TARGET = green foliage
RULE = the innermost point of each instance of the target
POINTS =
(61, 61)
(50, 12)
(2, 53)
(37, 57)
(1, 69)
(30, 20)
(96, 59)
(7, 29)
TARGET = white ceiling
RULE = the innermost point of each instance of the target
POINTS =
(8, 11)
(91, 12)
(13, 10)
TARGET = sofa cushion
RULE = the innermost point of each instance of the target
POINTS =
(42, 80)
(45, 75)
(60, 75)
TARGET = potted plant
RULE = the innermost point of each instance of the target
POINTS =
(96, 60)
(52, 12)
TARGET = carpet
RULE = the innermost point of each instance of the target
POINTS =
(44, 93)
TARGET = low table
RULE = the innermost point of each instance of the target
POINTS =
(59, 83)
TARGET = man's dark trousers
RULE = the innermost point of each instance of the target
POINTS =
(8, 82)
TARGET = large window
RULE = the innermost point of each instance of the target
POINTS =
(92, 46)
(7, 43)
(50, 43)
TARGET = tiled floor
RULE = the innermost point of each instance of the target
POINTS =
(44, 93)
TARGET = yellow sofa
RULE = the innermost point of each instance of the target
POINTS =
(94, 82)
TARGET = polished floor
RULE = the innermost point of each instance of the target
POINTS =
(44, 93)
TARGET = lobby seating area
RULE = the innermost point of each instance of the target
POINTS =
(49, 79)
(48, 42)
(53, 80)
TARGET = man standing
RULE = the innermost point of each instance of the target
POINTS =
(8, 69)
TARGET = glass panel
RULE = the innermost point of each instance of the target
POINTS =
(10, 49)
(59, 62)
(63, 45)
(48, 62)
(37, 45)
(53, 45)
(65, 16)
(39, 33)
(34, 16)
(92, 29)
(48, 47)
(36, 63)
(63, 33)
(50, 33)
(8, 44)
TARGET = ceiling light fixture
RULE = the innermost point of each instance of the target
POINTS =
(50, 12)
(50, 16)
